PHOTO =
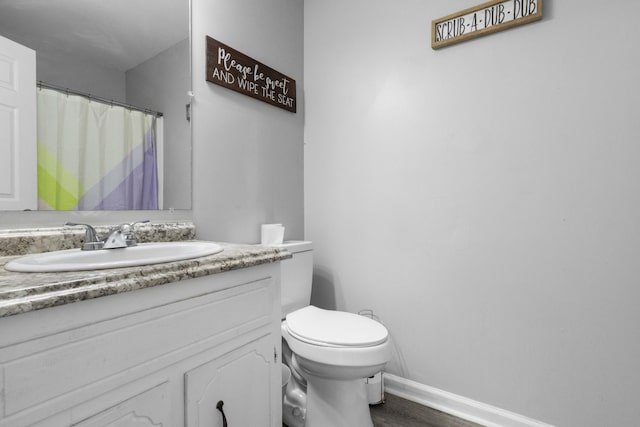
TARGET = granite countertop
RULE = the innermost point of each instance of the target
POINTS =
(24, 292)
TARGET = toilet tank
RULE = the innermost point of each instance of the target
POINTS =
(296, 275)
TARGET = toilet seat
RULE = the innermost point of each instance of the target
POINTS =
(327, 328)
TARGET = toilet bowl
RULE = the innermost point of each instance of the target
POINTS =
(335, 351)
(329, 353)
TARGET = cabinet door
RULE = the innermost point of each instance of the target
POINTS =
(147, 409)
(241, 382)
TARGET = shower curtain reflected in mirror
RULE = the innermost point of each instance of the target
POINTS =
(94, 156)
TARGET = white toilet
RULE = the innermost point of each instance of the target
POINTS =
(330, 353)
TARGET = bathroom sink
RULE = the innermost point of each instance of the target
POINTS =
(143, 254)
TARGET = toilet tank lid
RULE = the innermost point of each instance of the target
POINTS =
(295, 246)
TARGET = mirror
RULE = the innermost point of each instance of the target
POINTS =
(133, 52)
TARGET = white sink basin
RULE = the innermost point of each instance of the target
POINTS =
(143, 254)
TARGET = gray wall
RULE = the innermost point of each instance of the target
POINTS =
(169, 71)
(66, 71)
(248, 155)
(483, 199)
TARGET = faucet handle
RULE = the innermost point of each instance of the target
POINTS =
(90, 234)
(133, 224)
(130, 228)
(129, 231)
(91, 239)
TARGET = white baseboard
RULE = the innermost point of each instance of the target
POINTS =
(461, 407)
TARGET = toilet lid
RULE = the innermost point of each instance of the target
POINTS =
(329, 327)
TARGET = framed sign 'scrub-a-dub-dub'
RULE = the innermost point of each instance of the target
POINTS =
(487, 18)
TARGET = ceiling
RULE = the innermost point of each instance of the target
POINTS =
(118, 34)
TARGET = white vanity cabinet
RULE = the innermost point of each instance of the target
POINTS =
(215, 385)
(147, 409)
(161, 356)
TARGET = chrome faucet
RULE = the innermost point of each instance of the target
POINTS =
(122, 236)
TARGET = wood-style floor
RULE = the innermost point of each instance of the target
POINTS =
(398, 412)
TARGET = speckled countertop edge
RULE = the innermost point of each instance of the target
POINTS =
(24, 292)
(36, 240)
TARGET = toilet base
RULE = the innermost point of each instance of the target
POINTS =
(337, 403)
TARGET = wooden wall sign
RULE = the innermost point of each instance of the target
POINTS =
(234, 70)
(490, 17)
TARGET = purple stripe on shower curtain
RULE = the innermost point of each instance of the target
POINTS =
(139, 190)
(150, 173)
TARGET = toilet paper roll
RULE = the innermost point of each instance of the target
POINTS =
(272, 234)
(375, 389)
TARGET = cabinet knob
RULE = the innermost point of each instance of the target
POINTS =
(219, 406)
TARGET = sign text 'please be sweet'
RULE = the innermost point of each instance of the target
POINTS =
(234, 70)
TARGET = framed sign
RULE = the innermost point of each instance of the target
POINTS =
(487, 18)
(236, 71)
